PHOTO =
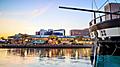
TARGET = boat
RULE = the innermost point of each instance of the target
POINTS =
(106, 35)
(105, 31)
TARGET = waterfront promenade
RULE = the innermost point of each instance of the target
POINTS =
(45, 46)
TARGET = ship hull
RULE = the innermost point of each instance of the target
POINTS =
(107, 54)
(108, 61)
(107, 43)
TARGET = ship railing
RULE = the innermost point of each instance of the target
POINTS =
(104, 18)
(97, 20)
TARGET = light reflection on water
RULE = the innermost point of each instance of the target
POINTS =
(45, 57)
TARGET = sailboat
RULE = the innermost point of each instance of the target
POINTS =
(106, 35)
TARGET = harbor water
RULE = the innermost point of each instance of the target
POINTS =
(45, 57)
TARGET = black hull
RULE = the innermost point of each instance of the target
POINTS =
(107, 53)
(109, 46)
(106, 24)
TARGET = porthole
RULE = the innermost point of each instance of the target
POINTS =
(103, 33)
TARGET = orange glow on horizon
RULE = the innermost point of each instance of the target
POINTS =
(5, 35)
(9, 27)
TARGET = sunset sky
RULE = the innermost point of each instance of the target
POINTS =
(28, 16)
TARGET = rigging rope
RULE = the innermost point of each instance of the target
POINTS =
(95, 4)
(92, 9)
(114, 49)
(104, 4)
(116, 1)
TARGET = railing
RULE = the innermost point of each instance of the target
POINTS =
(97, 20)
(103, 18)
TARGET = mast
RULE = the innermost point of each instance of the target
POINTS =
(88, 10)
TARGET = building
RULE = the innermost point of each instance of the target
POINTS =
(77, 32)
(23, 39)
(41, 32)
(59, 32)
(112, 7)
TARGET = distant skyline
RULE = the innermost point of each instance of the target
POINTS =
(29, 16)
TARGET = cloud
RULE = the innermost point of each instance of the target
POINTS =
(13, 22)
(33, 13)
(38, 12)
(0, 13)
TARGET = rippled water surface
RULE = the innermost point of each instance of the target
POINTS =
(26, 57)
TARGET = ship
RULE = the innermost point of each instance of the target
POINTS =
(105, 32)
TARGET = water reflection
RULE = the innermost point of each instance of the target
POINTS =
(43, 57)
(51, 53)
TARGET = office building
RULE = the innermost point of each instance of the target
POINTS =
(59, 32)
(78, 32)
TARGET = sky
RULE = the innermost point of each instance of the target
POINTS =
(29, 16)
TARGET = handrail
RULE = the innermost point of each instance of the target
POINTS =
(101, 18)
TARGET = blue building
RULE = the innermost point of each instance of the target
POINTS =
(59, 32)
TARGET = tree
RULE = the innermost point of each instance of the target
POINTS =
(25, 37)
(79, 38)
(52, 37)
(2, 38)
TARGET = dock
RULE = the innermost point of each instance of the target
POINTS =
(46, 46)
